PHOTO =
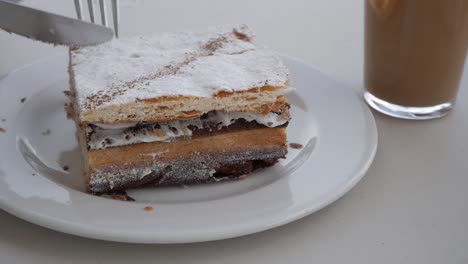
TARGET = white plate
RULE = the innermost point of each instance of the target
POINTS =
(331, 121)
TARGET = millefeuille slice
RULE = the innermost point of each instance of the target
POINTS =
(178, 108)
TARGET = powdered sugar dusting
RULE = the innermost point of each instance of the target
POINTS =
(173, 64)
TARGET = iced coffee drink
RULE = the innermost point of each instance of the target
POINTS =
(414, 55)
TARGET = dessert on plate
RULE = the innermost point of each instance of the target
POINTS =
(178, 108)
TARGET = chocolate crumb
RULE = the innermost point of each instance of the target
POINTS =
(148, 208)
(174, 130)
(66, 168)
(47, 132)
(295, 145)
(3, 119)
(67, 93)
(2, 130)
(33, 174)
(23, 99)
(122, 196)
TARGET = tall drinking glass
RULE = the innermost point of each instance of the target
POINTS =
(414, 55)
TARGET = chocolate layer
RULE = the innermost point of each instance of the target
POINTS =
(204, 168)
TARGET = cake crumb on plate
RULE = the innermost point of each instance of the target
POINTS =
(295, 145)
(47, 132)
(121, 196)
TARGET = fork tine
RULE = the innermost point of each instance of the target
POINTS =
(115, 16)
(78, 9)
(102, 5)
(91, 10)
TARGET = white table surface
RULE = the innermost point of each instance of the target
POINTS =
(411, 207)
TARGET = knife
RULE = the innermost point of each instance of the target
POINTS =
(51, 28)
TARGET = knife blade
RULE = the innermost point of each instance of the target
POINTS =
(49, 27)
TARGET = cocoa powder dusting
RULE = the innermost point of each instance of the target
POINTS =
(241, 36)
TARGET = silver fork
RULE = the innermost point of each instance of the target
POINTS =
(102, 7)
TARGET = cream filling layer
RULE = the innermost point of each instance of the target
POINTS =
(100, 136)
